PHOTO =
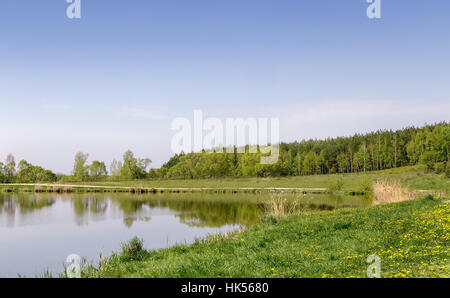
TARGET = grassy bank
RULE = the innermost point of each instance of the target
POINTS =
(412, 238)
(415, 178)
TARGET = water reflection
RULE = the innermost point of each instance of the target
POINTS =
(10, 204)
(195, 211)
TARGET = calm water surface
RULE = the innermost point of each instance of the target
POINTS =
(39, 231)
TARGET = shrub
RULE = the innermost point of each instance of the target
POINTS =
(132, 250)
(365, 185)
(338, 185)
(429, 158)
(429, 198)
(439, 167)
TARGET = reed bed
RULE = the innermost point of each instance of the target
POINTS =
(391, 191)
(280, 206)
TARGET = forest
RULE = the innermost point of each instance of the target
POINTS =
(383, 149)
(374, 151)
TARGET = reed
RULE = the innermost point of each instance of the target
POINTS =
(68, 189)
(391, 191)
(38, 188)
(57, 188)
(280, 206)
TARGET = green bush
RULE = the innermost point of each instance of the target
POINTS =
(132, 250)
(338, 185)
(365, 185)
(429, 159)
(269, 219)
(429, 198)
(439, 167)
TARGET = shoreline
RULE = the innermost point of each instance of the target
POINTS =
(315, 244)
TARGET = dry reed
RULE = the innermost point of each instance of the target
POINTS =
(391, 191)
(38, 188)
(281, 206)
(68, 189)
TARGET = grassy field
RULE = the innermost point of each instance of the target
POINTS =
(412, 239)
(415, 178)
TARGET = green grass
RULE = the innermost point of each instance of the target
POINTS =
(414, 177)
(412, 238)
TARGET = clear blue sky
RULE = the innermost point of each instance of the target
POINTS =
(116, 78)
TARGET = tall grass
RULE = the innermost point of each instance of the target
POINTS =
(133, 250)
(280, 206)
(391, 191)
(38, 188)
(337, 185)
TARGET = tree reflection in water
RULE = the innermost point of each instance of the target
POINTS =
(195, 210)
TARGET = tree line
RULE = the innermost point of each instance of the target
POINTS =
(383, 149)
(127, 169)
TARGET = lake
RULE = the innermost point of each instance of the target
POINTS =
(39, 231)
